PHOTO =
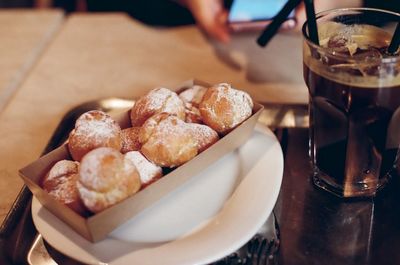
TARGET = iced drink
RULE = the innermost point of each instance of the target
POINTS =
(354, 88)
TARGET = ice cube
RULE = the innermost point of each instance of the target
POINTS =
(338, 43)
(349, 39)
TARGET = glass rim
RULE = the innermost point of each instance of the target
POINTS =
(326, 51)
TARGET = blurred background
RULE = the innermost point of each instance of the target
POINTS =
(152, 12)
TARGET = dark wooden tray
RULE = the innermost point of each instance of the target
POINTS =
(319, 228)
(315, 226)
(19, 240)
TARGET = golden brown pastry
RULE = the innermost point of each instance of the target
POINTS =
(156, 101)
(193, 95)
(204, 135)
(105, 178)
(223, 107)
(166, 141)
(93, 129)
(60, 183)
(148, 171)
(192, 114)
(130, 139)
(192, 98)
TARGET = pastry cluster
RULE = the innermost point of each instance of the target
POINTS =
(167, 129)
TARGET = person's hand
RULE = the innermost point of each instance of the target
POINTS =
(322, 5)
(210, 16)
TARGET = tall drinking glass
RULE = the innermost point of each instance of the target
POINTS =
(354, 100)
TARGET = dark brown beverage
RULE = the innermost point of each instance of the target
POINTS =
(355, 132)
(354, 116)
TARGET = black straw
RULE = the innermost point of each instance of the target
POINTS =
(395, 42)
(311, 21)
(273, 27)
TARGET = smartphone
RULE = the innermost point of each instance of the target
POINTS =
(252, 15)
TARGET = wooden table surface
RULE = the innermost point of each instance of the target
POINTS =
(94, 56)
(24, 36)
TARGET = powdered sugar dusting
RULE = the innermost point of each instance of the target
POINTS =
(240, 102)
(168, 132)
(174, 105)
(171, 126)
(60, 182)
(98, 168)
(94, 127)
(149, 127)
(66, 190)
(243, 105)
(193, 95)
(62, 168)
(204, 135)
(130, 139)
(106, 178)
(170, 141)
(97, 201)
(147, 170)
(192, 114)
(156, 101)
(163, 100)
(157, 97)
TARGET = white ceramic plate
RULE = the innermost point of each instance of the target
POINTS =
(191, 225)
